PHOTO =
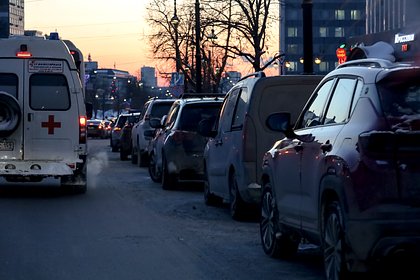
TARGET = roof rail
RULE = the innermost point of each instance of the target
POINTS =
(201, 95)
(367, 62)
(259, 74)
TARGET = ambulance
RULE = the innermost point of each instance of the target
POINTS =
(42, 112)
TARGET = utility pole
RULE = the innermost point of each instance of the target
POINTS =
(307, 37)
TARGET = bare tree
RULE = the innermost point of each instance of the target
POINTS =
(228, 29)
(246, 22)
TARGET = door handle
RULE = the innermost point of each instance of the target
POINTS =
(30, 117)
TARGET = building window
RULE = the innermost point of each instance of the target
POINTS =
(339, 32)
(323, 66)
(292, 32)
(339, 14)
(323, 32)
(292, 48)
(355, 14)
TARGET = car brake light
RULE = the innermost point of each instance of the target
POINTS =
(23, 52)
(82, 129)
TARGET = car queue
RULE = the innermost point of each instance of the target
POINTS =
(341, 171)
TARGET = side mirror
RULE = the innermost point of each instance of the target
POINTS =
(155, 123)
(149, 134)
(205, 128)
(281, 122)
(278, 122)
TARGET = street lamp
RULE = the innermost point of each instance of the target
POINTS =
(175, 24)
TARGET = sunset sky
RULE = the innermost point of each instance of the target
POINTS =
(112, 32)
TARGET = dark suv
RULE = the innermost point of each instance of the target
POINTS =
(347, 175)
(176, 152)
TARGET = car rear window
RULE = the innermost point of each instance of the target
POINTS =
(193, 114)
(401, 98)
(49, 92)
(160, 109)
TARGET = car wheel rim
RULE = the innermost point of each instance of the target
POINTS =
(333, 247)
(267, 221)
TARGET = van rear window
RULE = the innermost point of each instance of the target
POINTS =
(9, 84)
(49, 92)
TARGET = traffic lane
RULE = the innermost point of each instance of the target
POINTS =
(127, 227)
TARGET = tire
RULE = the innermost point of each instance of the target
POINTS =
(333, 243)
(275, 243)
(144, 160)
(10, 114)
(168, 180)
(123, 154)
(238, 208)
(209, 198)
(133, 156)
(154, 172)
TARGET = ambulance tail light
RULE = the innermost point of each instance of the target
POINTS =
(23, 52)
(82, 130)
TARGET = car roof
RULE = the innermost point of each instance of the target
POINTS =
(370, 69)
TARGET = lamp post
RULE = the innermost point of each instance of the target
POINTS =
(197, 48)
(175, 24)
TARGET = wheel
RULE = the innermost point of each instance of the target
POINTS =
(142, 159)
(209, 198)
(238, 207)
(276, 243)
(133, 156)
(10, 114)
(123, 154)
(168, 180)
(333, 243)
(153, 169)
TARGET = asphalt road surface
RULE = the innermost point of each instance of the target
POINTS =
(126, 227)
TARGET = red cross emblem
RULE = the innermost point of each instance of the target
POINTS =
(51, 124)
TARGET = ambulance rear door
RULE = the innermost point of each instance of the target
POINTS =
(51, 120)
(11, 110)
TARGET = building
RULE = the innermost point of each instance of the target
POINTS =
(393, 25)
(386, 15)
(332, 22)
(11, 18)
(148, 76)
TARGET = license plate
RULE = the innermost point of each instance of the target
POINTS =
(6, 146)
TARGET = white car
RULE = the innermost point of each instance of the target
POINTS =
(42, 112)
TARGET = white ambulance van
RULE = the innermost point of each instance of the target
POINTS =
(42, 112)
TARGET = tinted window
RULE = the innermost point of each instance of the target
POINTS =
(192, 115)
(338, 110)
(401, 98)
(9, 84)
(240, 109)
(49, 92)
(313, 114)
(160, 109)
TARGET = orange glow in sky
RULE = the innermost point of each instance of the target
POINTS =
(112, 32)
